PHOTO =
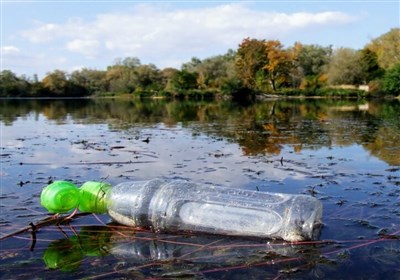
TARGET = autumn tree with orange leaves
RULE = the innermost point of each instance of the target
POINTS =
(264, 65)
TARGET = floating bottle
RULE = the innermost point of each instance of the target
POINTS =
(176, 205)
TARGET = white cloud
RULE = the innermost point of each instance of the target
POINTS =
(10, 50)
(160, 34)
(44, 32)
(89, 47)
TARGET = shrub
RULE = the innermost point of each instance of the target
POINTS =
(391, 80)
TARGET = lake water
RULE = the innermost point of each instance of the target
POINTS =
(345, 153)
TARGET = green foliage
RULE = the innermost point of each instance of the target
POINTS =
(312, 83)
(57, 84)
(232, 87)
(391, 80)
(92, 80)
(250, 60)
(129, 76)
(213, 72)
(310, 62)
(387, 48)
(345, 68)
(192, 65)
(313, 58)
(11, 85)
(340, 92)
(257, 67)
(263, 65)
(370, 66)
(183, 81)
(279, 65)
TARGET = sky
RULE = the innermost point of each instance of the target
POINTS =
(38, 37)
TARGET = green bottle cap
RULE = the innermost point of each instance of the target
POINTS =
(60, 197)
(93, 197)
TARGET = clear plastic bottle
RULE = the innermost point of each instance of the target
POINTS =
(176, 205)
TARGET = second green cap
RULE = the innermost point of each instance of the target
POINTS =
(93, 197)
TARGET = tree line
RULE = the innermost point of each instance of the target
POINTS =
(258, 66)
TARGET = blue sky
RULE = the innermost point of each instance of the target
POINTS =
(41, 36)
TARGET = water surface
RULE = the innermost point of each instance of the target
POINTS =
(345, 153)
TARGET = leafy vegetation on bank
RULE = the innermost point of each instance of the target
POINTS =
(256, 67)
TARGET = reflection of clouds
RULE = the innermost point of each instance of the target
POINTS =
(196, 158)
(12, 144)
(173, 152)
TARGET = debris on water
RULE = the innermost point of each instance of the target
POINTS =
(21, 183)
(117, 147)
(341, 202)
(393, 169)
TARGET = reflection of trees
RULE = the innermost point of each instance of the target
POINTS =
(386, 145)
(262, 128)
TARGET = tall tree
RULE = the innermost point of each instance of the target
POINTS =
(345, 67)
(391, 80)
(147, 78)
(183, 80)
(192, 65)
(279, 63)
(214, 71)
(387, 48)
(370, 66)
(11, 85)
(313, 58)
(251, 59)
(56, 82)
(92, 80)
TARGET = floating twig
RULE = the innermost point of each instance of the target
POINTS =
(53, 220)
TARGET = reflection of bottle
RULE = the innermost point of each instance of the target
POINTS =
(170, 206)
(196, 248)
(141, 247)
(67, 254)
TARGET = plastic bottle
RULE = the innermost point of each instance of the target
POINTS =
(175, 205)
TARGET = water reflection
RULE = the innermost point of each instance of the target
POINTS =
(138, 247)
(338, 151)
(262, 128)
(201, 253)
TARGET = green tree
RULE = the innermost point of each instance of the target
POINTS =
(183, 80)
(387, 48)
(345, 67)
(391, 80)
(120, 79)
(167, 75)
(263, 65)
(214, 71)
(312, 60)
(147, 78)
(11, 85)
(370, 66)
(92, 80)
(129, 75)
(279, 63)
(251, 59)
(57, 83)
(192, 65)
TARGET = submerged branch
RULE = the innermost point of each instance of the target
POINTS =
(53, 220)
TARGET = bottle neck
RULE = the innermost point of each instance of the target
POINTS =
(94, 197)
